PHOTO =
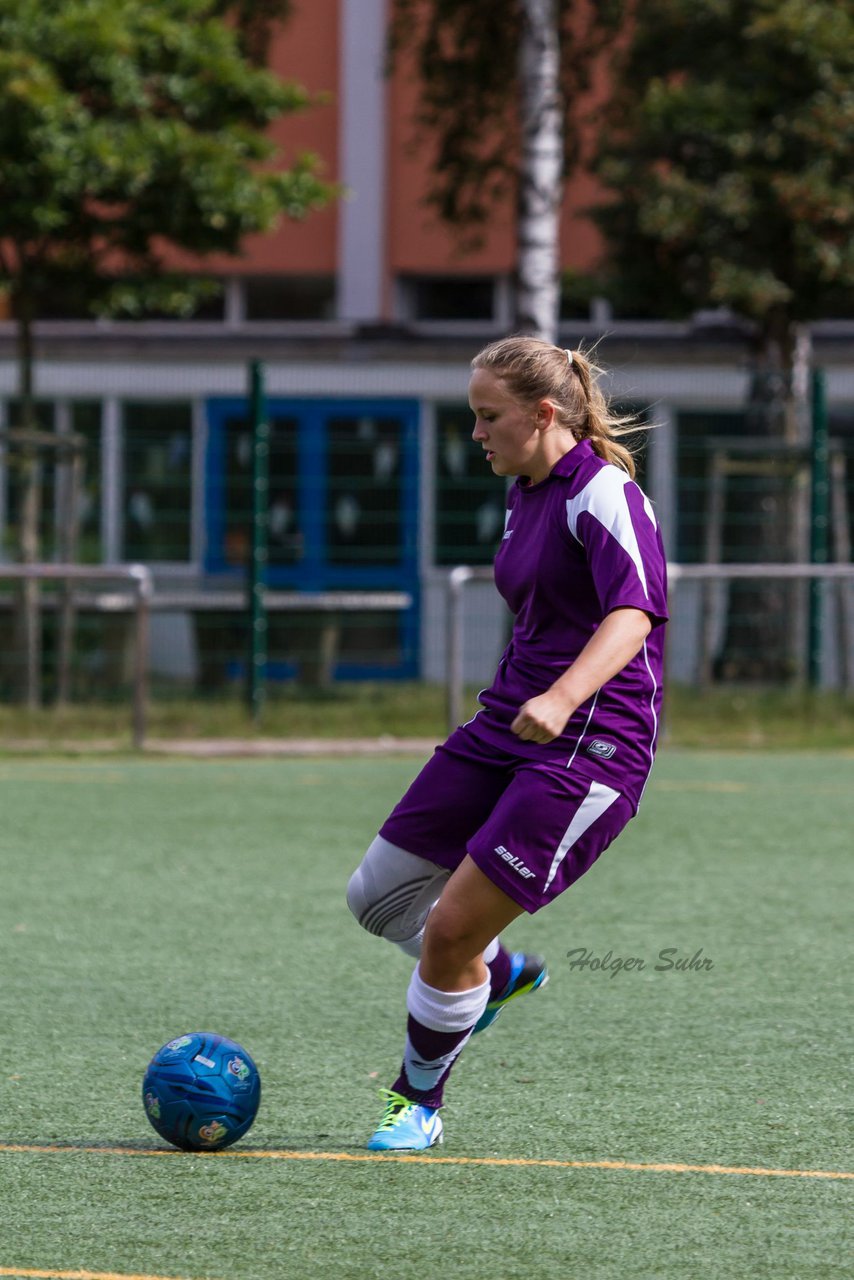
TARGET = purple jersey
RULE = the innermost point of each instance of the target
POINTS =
(579, 544)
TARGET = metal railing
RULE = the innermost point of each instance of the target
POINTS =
(458, 579)
(142, 601)
(139, 578)
(462, 575)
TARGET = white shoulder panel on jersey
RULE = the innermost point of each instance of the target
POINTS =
(604, 498)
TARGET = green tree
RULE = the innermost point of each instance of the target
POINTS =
(129, 128)
(500, 82)
(728, 156)
(255, 21)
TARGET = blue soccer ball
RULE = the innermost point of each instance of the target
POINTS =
(201, 1092)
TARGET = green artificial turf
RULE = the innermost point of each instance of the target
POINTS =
(143, 899)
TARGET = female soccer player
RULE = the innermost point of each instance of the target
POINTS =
(519, 802)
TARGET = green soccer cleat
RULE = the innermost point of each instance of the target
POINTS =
(406, 1125)
(527, 973)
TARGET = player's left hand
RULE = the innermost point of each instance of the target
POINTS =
(542, 719)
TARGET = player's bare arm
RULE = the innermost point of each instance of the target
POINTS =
(617, 640)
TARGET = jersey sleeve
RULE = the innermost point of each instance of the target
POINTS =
(614, 522)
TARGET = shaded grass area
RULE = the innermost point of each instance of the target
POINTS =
(736, 717)
(725, 717)
(143, 899)
(363, 709)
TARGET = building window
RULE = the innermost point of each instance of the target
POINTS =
(211, 308)
(841, 426)
(284, 534)
(85, 421)
(363, 511)
(156, 487)
(470, 500)
(289, 298)
(699, 432)
(449, 297)
(736, 488)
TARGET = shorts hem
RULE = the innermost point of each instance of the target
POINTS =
(513, 888)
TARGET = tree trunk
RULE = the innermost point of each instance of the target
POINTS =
(540, 172)
(71, 473)
(28, 625)
(767, 514)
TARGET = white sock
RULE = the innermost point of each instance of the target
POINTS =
(446, 1012)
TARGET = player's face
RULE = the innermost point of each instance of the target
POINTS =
(506, 430)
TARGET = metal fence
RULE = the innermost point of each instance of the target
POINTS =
(819, 638)
(374, 493)
(81, 595)
(65, 606)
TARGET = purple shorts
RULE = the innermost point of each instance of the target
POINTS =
(532, 828)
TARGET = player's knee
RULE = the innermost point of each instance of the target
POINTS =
(451, 931)
(391, 891)
(374, 911)
(358, 899)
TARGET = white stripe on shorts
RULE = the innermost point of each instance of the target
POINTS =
(598, 799)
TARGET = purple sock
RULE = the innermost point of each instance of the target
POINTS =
(429, 1046)
(438, 1026)
(436, 1044)
(499, 973)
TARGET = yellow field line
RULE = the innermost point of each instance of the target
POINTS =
(28, 1273)
(502, 1162)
